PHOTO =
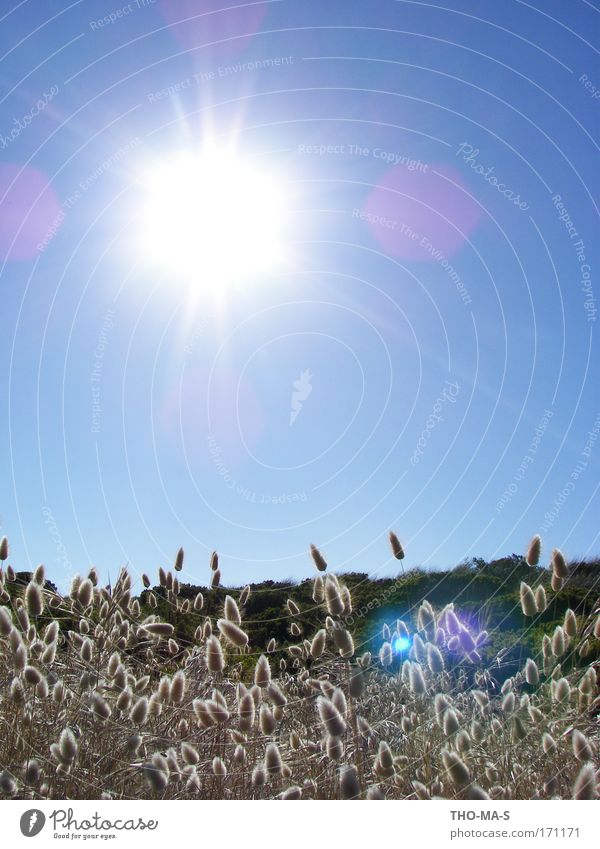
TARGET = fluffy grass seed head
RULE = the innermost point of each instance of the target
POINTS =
(262, 672)
(456, 768)
(156, 778)
(582, 748)
(349, 783)
(317, 646)
(276, 695)
(6, 624)
(330, 717)
(333, 597)
(291, 793)
(585, 783)
(273, 762)
(343, 642)
(318, 593)
(100, 707)
(357, 682)
(534, 550)
(178, 686)
(159, 629)
(67, 746)
(416, 679)
(532, 675)
(570, 623)
(375, 792)
(318, 559)
(452, 623)
(259, 775)
(396, 546)
(558, 643)
(528, 605)
(386, 655)
(246, 712)
(562, 691)
(384, 762)
(451, 723)
(85, 592)
(218, 767)
(139, 712)
(266, 720)
(31, 676)
(231, 611)
(34, 599)
(232, 633)
(8, 785)
(215, 660)
(419, 652)
(559, 564)
(541, 601)
(435, 660)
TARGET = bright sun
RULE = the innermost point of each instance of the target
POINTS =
(213, 218)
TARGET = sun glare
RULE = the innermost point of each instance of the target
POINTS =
(212, 218)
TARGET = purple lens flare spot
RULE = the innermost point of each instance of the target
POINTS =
(421, 216)
(29, 212)
(193, 25)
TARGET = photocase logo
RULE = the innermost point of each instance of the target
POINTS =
(302, 389)
(32, 822)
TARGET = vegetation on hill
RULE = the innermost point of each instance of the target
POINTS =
(487, 593)
(479, 682)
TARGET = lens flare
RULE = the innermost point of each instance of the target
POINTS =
(401, 644)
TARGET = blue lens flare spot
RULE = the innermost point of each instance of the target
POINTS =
(401, 644)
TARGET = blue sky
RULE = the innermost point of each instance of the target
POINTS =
(424, 359)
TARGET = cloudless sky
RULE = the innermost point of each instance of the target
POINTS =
(432, 325)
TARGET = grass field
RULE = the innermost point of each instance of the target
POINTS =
(179, 693)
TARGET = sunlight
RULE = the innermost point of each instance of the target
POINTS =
(212, 218)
